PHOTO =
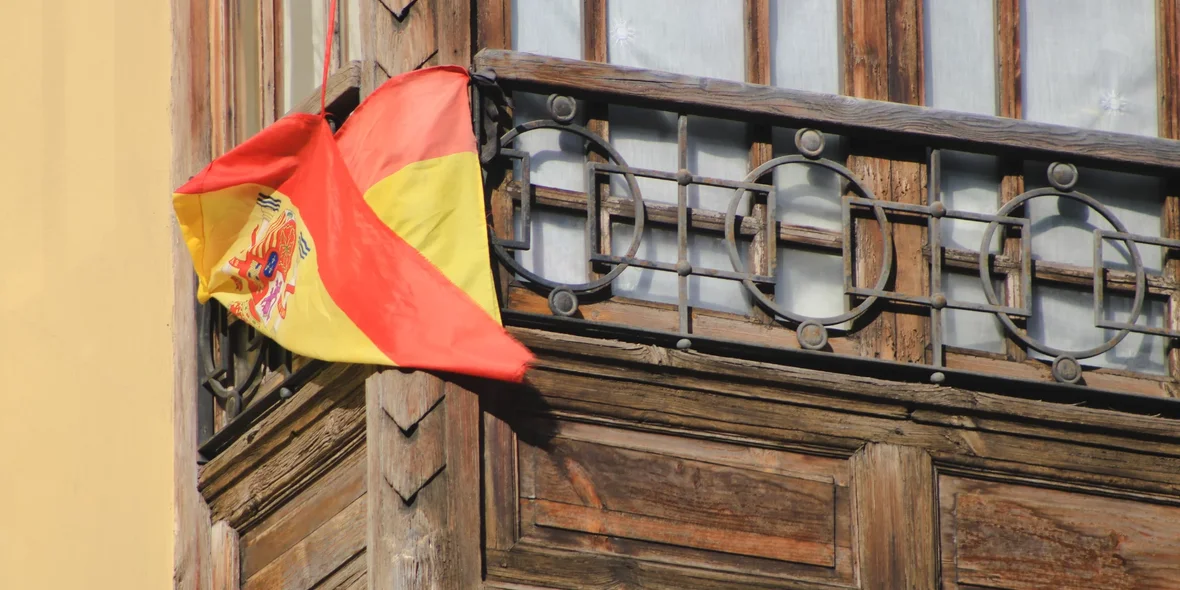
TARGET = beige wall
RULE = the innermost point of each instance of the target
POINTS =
(85, 295)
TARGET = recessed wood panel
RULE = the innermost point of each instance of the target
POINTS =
(1020, 537)
(647, 496)
(661, 498)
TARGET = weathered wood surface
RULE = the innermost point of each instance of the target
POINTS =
(896, 517)
(226, 565)
(317, 556)
(344, 87)
(288, 449)
(836, 114)
(690, 391)
(192, 148)
(423, 473)
(1023, 538)
(304, 513)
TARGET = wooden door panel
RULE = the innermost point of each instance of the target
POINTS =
(1020, 537)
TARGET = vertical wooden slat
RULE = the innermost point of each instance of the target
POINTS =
(594, 48)
(757, 13)
(908, 178)
(423, 474)
(1168, 66)
(191, 150)
(225, 551)
(271, 51)
(895, 503)
(1008, 95)
(221, 59)
(494, 30)
(454, 32)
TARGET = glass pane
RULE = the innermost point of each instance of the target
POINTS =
(668, 35)
(352, 20)
(558, 251)
(304, 24)
(810, 283)
(1091, 63)
(654, 285)
(970, 329)
(961, 55)
(247, 70)
(1062, 318)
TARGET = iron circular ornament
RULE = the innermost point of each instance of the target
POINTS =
(640, 211)
(810, 143)
(989, 291)
(1066, 369)
(562, 109)
(812, 335)
(1063, 176)
(563, 302)
(878, 212)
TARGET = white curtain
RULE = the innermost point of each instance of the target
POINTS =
(961, 76)
(558, 252)
(805, 55)
(1092, 64)
(700, 38)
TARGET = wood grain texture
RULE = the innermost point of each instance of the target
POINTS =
(226, 566)
(1168, 82)
(343, 92)
(316, 556)
(192, 148)
(637, 494)
(788, 406)
(1023, 538)
(288, 449)
(454, 32)
(896, 520)
(1009, 89)
(304, 513)
(842, 115)
(423, 508)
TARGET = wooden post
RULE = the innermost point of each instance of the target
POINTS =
(423, 474)
(227, 568)
(896, 524)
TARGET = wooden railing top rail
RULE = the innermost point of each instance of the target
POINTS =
(833, 113)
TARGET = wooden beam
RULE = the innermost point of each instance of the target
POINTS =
(226, 567)
(836, 114)
(344, 88)
(896, 523)
(423, 474)
(191, 150)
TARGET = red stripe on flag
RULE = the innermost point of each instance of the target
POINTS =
(420, 115)
(390, 291)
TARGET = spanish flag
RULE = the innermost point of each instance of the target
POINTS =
(280, 234)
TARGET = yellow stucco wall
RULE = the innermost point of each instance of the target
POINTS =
(85, 295)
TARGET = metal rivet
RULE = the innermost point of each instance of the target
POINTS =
(563, 302)
(937, 209)
(684, 344)
(812, 335)
(938, 377)
(683, 268)
(1066, 369)
(684, 177)
(1063, 176)
(938, 301)
(285, 392)
(809, 142)
(563, 109)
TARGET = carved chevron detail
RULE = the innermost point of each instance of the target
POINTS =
(413, 453)
(399, 8)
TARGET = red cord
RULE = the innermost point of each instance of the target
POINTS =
(327, 58)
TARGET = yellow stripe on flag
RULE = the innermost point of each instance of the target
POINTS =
(437, 206)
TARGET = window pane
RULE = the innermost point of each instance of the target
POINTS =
(304, 25)
(669, 35)
(1091, 63)
(961, 76)
(247, 71)
(1062, 318)
(551, 27)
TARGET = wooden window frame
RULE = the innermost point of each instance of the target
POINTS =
(883, 59)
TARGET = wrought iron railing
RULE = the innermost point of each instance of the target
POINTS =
(572, 82)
